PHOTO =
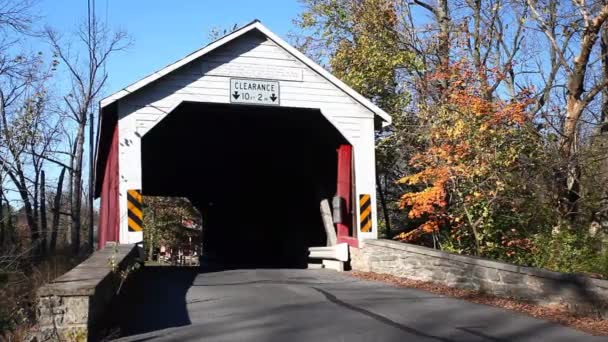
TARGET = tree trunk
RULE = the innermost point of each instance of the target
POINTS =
(9, 224)
(43, 222)
(2, 223)
(36, 206)
(19, 181)
(576, 102)
(382, 199)
(443, 49)
(602, 135)
(150, 250)
(91, 21)
(56, 211)
(31, 222)
(441, 13)
(604, 53)
(68, 234)
(76, 200)
(568, 177)
(91, 192)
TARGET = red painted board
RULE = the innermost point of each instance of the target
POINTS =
(109, 223)
(343, 187)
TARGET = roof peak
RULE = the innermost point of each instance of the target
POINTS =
(255, 24)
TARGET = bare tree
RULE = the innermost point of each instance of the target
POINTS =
(56, 211)
(441, 42)
(493, 35)
(16, 16)
(3, 232)
(43, 221)
(88, 77)
(26, 137)
(441, 14)
(603, 127)
(573, 32)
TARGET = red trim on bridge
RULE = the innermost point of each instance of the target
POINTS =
(109, 211)
(343, 190)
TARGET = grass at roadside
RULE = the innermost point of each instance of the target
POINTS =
(18, 286)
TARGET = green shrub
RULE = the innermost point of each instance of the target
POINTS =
(599, 265)
(567, 251)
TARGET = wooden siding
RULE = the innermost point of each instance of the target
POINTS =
(208, 80)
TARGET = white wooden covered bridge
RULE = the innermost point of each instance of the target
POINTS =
(255, 134)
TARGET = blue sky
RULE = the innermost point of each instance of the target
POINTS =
(163, 31)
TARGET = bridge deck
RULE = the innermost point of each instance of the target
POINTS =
(306, 305)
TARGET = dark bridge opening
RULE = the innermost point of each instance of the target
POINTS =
(257, 175)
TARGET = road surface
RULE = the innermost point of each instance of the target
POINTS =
(169, 304)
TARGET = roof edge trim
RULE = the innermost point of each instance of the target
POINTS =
(256, 24)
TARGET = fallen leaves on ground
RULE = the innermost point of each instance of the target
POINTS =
(593, 325)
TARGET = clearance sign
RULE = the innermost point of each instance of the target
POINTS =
(250, 91)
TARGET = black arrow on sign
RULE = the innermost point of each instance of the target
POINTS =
(273, 97)
(236, 95)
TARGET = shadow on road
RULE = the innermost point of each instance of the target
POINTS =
(172, 304)
(154, 299)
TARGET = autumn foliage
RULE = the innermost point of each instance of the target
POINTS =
(476, 147)
(497, 145)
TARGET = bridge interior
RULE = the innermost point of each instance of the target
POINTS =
(257, 174)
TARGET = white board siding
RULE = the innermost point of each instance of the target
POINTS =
(202, 81)
(291, 96)
(213, 61)
(197, 81)
(191, 83)
(365, 176)
(129, 161)
(269, 38)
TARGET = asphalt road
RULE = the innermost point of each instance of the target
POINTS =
(168, 304)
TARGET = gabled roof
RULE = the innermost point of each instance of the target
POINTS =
(254, 25)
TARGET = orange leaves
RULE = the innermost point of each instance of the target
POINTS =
(427, 227)
(492, 112)
(410, 236)
(464, 98)
(424, 202)
(426, 176)
(467, 94)
(429, 200)
(471, 139)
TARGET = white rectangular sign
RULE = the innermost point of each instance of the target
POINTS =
(254, 91)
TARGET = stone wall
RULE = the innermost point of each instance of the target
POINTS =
(68, 308)
(575, 292)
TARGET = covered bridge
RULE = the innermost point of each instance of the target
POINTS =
(255, 134)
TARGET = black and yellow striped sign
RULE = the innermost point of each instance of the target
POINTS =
(365, 212)
(136, 215)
